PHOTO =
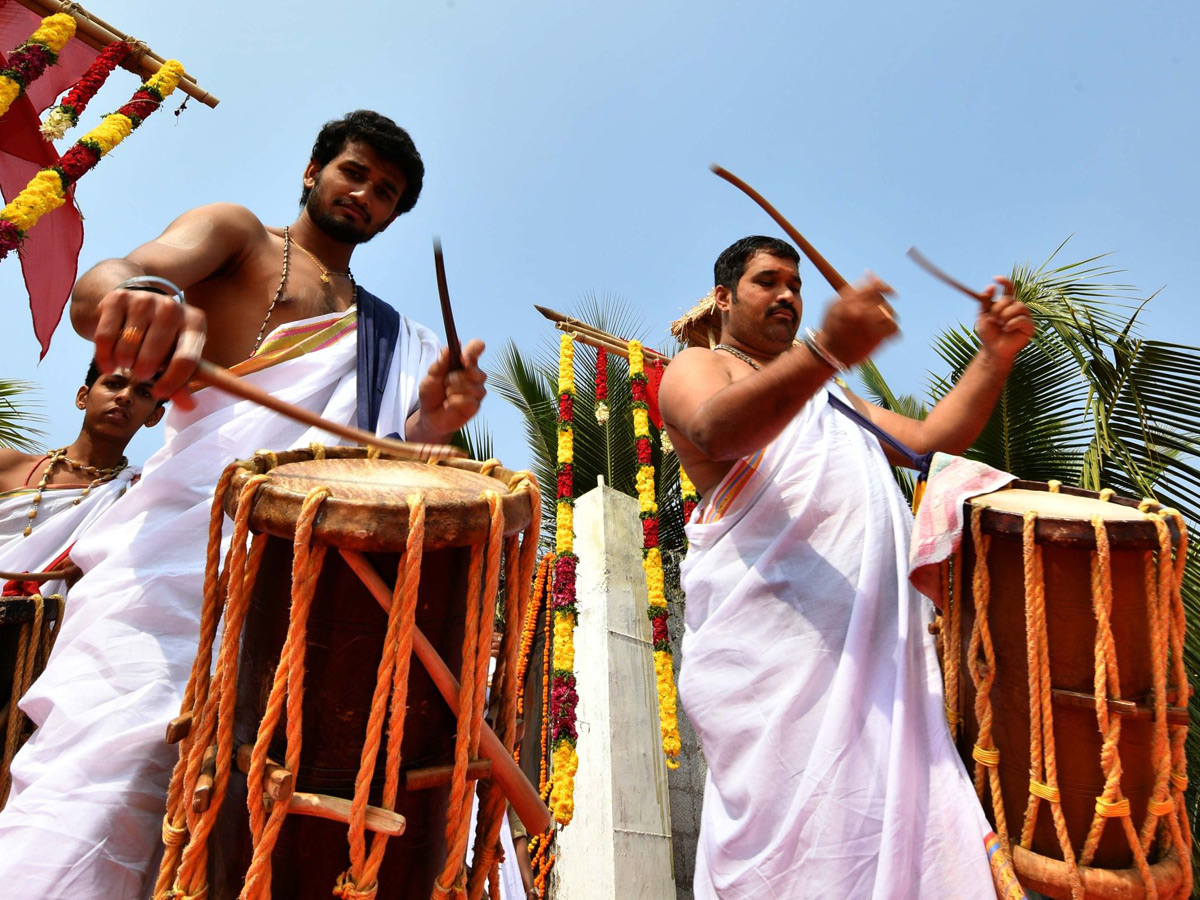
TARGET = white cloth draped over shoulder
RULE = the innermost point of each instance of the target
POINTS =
(811, 678)
(89, 788)
(60, 522)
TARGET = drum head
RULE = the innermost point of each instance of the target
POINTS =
(367, 506)
(1065, 517)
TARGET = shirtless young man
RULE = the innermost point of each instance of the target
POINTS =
(279, 307)
(807, 668)
(48, 500)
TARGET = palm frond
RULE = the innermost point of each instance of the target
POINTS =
(18, 419)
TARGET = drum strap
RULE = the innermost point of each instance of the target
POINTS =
(920, 462)
(378, 333)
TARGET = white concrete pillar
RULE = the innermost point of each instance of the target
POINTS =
(618, 846)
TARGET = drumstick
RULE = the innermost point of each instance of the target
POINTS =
(32, 576)
(221, 378)
(836, 281)
(522, 795)
(921, 260)
(452, 344)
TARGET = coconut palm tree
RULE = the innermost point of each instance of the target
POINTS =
(1091, 402)
(18, 420)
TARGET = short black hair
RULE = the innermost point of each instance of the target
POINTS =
(385, 137)
(93, 374)
(731, 264)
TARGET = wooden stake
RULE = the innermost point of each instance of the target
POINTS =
(433, 776)
(323, 806)
(583, 330)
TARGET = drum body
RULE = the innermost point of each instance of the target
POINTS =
(367, 512)
(1066, 535)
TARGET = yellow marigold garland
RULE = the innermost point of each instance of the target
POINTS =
(27, 63)
(563, 696)
(664, 671)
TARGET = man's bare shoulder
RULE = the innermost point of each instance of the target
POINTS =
(229, 218)
(695, 360)
(14, 467)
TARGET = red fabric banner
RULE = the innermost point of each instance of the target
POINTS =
(50, 254)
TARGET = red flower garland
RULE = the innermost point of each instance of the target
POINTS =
(77, 99)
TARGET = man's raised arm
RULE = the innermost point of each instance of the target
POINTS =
(137, 328)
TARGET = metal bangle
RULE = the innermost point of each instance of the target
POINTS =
(155, 284)
(814, 346)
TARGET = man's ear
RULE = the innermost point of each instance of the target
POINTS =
(81, 396)
(155, 417)
(723, 297)
(311, 171)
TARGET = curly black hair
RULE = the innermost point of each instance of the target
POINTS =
(385, 137)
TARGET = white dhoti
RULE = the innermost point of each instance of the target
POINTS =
(90, 786)
(64, 514)
(813, 683)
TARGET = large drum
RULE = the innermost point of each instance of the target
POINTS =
(318, 745)
(1071, 687)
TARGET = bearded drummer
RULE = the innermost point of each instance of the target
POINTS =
(281, 308)
(808, 669)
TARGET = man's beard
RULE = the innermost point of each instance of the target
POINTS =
(339, 229)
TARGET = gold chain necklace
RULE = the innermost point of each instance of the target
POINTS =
(325, 273)
(99, 476)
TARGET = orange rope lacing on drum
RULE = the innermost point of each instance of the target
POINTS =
(1173, 620)
(1043, 760)
(475, 653)
(951, 637)
(1111, 803)
(183, 870)
(360, 881)
(28, 654)
(987, 756)
(289, 679)
(519, 573)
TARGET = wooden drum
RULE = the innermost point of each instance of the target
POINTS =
(1071, 687)
(356, 563)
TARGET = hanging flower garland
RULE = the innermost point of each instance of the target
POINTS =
(691, 497)
(537, 596)
(601, 386)
(563, 698)
(66, 114)
(664, 672)
(27, 63)
(656, 370)
(48, 189)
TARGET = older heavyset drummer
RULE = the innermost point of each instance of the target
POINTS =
(808, 670)
(281, 308)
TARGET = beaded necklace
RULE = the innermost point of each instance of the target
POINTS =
(99, 477)
(752, 363)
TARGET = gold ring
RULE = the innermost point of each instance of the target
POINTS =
(131, 334)
(886, 313)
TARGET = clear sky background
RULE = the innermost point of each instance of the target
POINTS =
(567, 146)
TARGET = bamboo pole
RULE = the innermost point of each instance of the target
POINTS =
(594, 337)
(98, 34)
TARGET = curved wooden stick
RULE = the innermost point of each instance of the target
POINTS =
(218, 377)
(39, 577)
(836, 281)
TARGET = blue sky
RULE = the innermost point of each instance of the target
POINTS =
(567, 148)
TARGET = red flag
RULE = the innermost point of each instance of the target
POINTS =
(50, 254)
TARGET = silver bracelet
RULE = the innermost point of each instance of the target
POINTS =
(154, 283)
(810, 341)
